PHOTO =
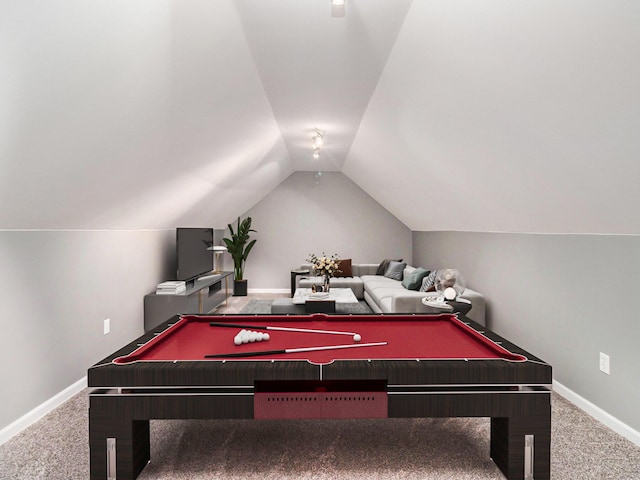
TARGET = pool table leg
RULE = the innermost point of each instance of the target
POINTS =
(132, 446)
(509, 448)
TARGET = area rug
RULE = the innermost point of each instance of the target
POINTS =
(256, 306)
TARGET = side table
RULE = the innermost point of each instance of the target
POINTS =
(294, 275)
(450, 306)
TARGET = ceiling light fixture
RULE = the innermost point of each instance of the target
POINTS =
(318, 141)
(337, 8)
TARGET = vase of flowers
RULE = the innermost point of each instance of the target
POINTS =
(325, 266)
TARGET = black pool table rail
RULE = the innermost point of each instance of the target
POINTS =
(106, 374)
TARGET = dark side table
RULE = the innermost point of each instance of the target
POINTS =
(456, 307)
(294, 275)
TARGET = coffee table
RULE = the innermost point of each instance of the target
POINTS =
(319, 303)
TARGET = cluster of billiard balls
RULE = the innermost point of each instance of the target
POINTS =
(249, 336)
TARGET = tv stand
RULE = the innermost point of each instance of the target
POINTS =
(201, 296)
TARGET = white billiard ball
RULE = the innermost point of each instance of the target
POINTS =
(357, 337)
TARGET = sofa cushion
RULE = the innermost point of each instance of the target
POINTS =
(394, 270)
(344, 269)
(360, 269)
(383, 266)
(413, 280)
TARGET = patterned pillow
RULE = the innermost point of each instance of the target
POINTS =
(428, 282)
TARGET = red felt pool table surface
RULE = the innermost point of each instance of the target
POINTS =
(431, 337)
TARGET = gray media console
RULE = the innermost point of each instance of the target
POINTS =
(201, 296)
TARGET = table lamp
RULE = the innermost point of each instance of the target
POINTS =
(449, 283)
(218, 250)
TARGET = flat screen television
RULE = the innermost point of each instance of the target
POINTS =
(192, 255)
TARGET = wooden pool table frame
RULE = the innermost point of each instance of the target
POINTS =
(516, 395)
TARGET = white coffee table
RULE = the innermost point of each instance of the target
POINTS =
(323, 303)
(338, 295)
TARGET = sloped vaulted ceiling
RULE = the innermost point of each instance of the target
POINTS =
(320, 71)
(486, 115)
(496, 115)
(131, 114)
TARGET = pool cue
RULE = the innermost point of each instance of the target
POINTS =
(293, 350)
(280, 329)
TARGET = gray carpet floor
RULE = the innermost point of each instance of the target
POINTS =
(56, 447)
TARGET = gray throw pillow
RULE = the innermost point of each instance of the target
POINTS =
(382, 268)
(413, 280)
(394, 270)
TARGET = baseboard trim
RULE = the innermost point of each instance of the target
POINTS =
(269, 290)
(596, 412)
(41, 410)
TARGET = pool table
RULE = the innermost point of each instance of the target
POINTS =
(320, 366)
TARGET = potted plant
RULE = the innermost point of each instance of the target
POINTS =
(239, 248)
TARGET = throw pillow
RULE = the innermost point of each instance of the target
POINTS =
(344, 269)
(394, 270)
(384, 264)
(413, 280)
(428, 282)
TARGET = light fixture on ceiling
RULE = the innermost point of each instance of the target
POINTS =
(318, 138)
(318, 141)
(337, 8)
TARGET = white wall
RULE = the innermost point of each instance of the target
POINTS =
(57, 288)
(564, 298)
(315, 212)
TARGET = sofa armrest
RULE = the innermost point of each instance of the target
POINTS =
(477, 312)
(410, 301)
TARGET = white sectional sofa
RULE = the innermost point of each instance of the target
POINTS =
(386, 295)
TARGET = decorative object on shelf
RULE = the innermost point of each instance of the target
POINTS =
(325, 266)
(239, 248)
(449, 283)
(218, 250)
(171, 287)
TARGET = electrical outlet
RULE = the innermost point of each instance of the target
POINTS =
(604, 363)
(107, 325)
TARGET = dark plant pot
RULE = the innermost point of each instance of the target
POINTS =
(239, 288)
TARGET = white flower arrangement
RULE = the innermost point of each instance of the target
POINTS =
(324, 265)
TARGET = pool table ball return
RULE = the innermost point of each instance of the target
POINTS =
(320, 366)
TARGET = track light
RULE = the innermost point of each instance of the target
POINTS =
(337, 8)
(318, 141)
(318, 138)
